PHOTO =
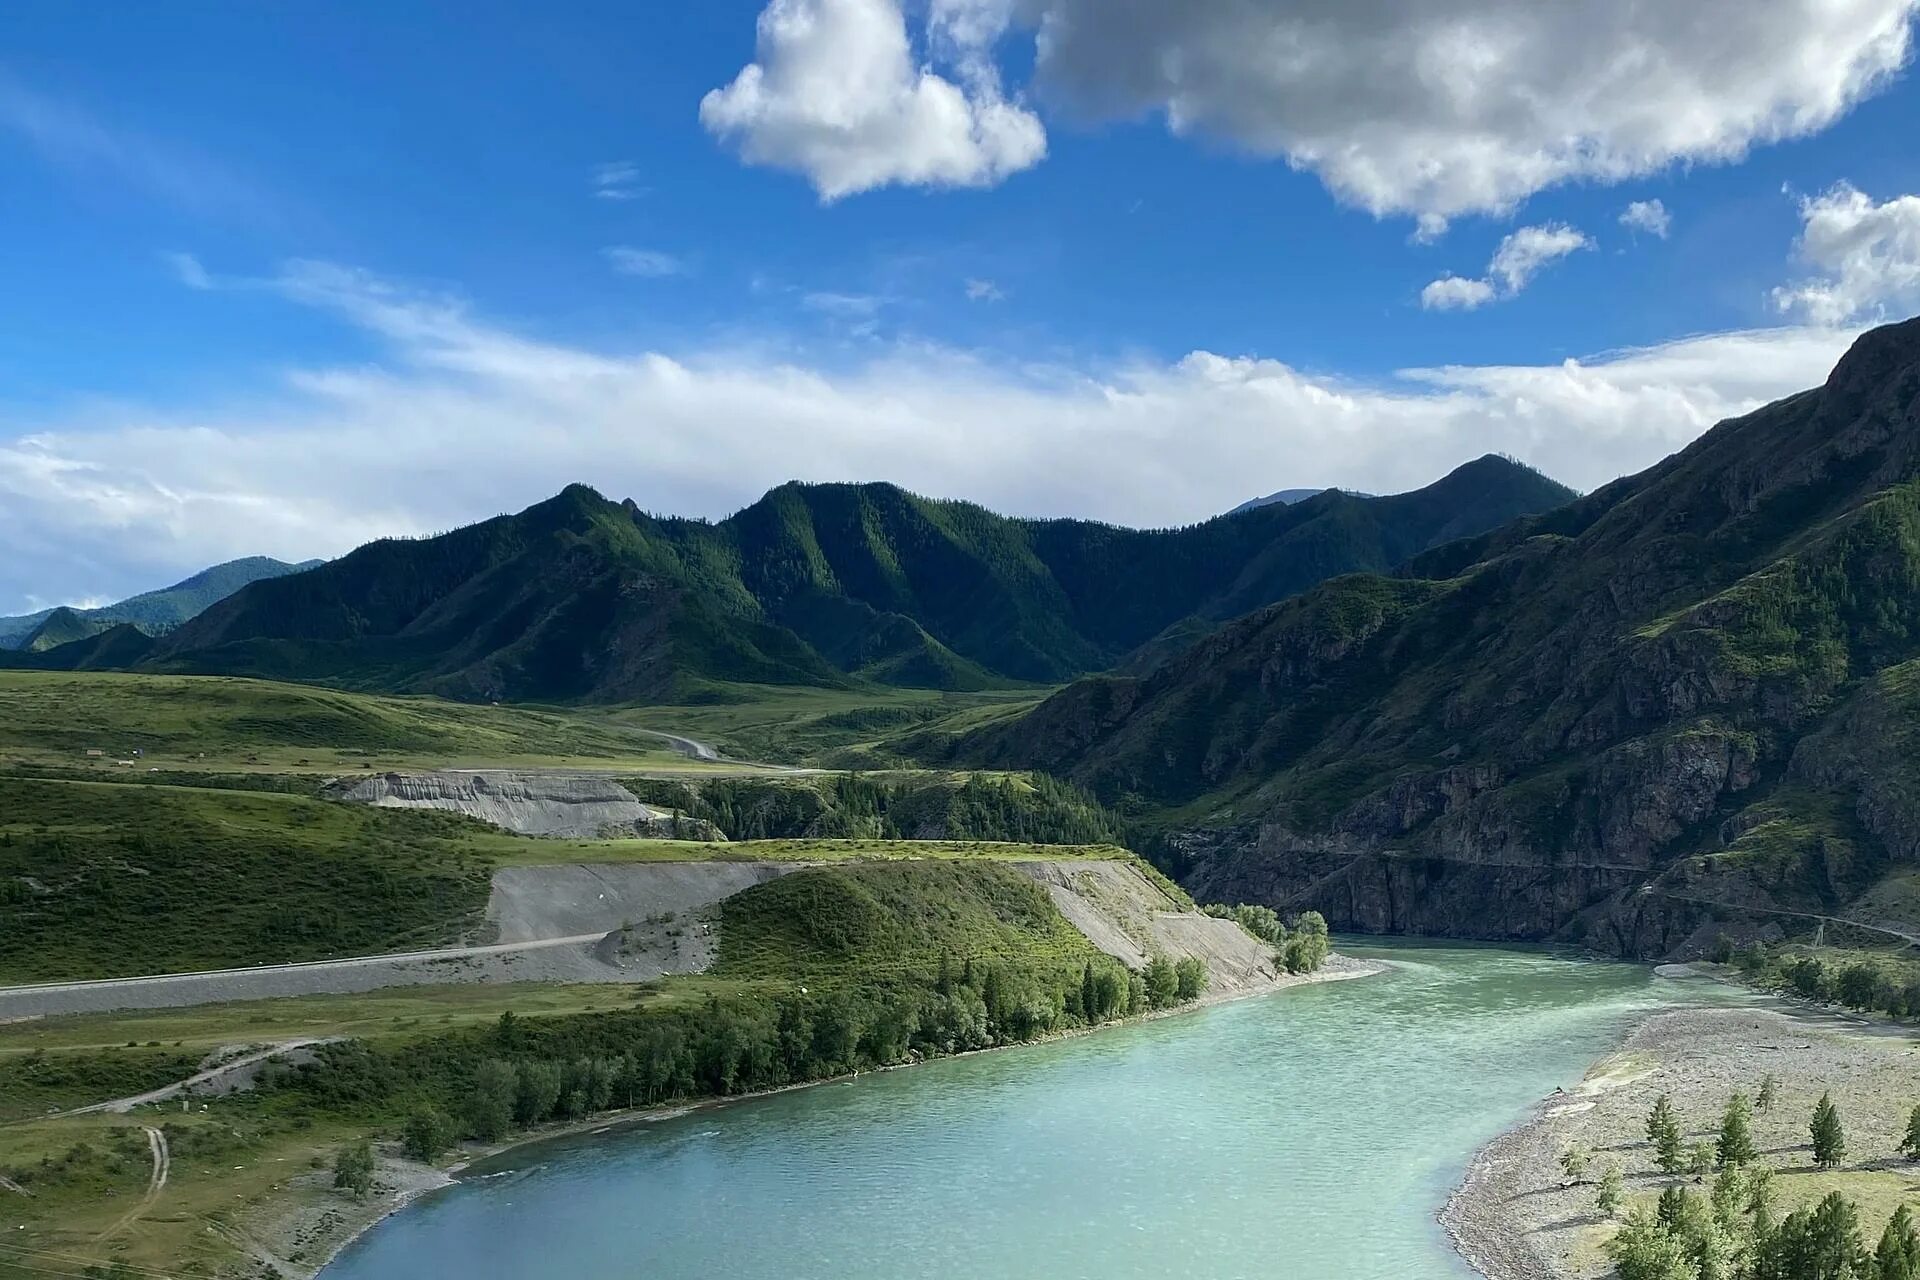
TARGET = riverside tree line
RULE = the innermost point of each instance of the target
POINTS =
(518, 1073)
(1730, 1230)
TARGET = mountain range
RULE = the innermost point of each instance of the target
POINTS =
(1287, 497)
(582, 598)
(151, 611)
(1669, 709)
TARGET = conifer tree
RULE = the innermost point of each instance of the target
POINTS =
(1898, 1255)
(1769, 1092)
(1612, 1193)
(1663, 1131)
(1735, 1147)
(1910, 1145)
(1829, 1140)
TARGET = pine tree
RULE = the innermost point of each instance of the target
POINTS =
(1735, 1147)
(1769, 1091)
(1898, 1256)
(1829, 1140)
(1612, 1193)
(1663, 1131)
(1910, 1145)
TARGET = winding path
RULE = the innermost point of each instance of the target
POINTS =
(156, 1183)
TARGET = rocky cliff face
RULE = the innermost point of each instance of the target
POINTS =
(1677, 706)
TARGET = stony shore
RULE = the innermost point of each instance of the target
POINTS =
(1517, 1216)
(300, 1231)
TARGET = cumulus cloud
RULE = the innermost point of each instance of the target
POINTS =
(649, 264)
(835, 93)
(1434, 108)
(1650, 216)
(1456, 293)
(461, 417)
(1866, 256)
(1446, 107)
(1519, 258)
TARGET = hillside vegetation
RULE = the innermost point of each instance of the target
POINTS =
(56, 718)
(833, 586)
(1025, 808)
(1675, 706)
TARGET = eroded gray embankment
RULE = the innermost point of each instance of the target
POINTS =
(568, 806)
(1129, 917)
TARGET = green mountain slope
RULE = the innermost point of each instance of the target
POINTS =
(581, 598)
(1669, 708)
(62, 626)
(151, 611)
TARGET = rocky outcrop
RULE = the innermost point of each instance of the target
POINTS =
(572, 806)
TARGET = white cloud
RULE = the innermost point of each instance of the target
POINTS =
(461, 418)
(1435, 108)
(188, 269)
(1446, 107)
(835, 94)
(1650, 216)
(649, 264)
(984, 291)
(1867, 257)
(1456, 293)
(1522, 254)
(1519, 258)
(616, 180)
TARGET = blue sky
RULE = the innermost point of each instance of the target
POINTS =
(283, 278)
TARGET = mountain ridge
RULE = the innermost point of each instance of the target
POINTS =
(581, 598)
(1570, 726)
(151, 610)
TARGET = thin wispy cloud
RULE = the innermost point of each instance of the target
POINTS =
(86, 147)
(616, 180)
(984, 291)
(648, 264)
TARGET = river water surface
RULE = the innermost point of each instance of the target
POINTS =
(1308, 1135)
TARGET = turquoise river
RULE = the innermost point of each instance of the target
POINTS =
(1309, 1134)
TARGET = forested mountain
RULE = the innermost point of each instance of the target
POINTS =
(1625, 721)
(151, 610)
(582, 598)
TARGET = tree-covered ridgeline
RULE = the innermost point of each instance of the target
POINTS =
(1731, 1231)
(1026, 809)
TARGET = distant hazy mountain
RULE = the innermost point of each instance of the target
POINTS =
(151, 611)
(1287, 497)
(580, 598)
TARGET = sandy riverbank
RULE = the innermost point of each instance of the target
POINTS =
(1516, 1215)
(297, 1233)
